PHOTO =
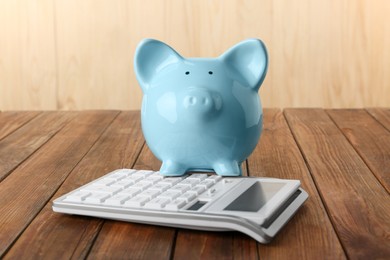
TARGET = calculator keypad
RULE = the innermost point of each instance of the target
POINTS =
(129, 188)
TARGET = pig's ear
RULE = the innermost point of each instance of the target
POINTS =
(247, 61)
(152, 56)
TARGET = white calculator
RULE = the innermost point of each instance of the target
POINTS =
(258, 207)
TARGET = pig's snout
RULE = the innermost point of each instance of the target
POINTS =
(201, 101)
(198, 100)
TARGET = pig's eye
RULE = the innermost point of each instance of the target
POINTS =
(187, 72)
(210, 72)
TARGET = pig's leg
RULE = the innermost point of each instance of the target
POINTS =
(227, 168)
(171, 168)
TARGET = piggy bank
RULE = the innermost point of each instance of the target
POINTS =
(201, 114)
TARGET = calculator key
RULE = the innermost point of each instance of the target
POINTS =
(122, 184)
(96, 198)
(157, 175)
(180, 188)
(152, 180)
(169, 195)
(209, 194)
(175, 205)
(131, 191)
(149, 194)
(156, 203)
(117, 199)
(136, 202)
(103, 182)
(189, 182)
(198, 176)
(171, 180)
(160, 187)
(206, 183)
(77, 196)
(214, 178)
(143, 185)
(197, 190)
(187, 197)
(142, 173)
(133, 178)
(106, 190)
(211, 191)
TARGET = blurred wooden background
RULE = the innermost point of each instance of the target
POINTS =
(78, 54)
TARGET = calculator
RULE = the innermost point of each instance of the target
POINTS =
(258, 207)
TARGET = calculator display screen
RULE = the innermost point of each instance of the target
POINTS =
(255, 197)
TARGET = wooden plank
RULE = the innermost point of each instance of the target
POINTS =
(135, 241)
(95, 43)
(309, 234)
(143, 241)
(12, 120)
(88, 45)
(369, 138)
(192, 244)
(25, 192)
(95, 49)
(353, 197)
(60, 236)
(19, 145)
(204, 245)
(27, 55)
(382, 115)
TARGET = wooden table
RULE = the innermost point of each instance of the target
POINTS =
(342, 158)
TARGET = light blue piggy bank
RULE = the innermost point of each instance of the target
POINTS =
(201, 114)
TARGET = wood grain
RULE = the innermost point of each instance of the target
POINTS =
(70, 54)
(352, 195)
(73, 236)
(103, 69)
(133, 241)
(27, 55)
(369, 138)
(19, 145)
(191, 244)
(309, 234)
(204, 245)
(382, 115)
(25, 192)
(12, 120)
